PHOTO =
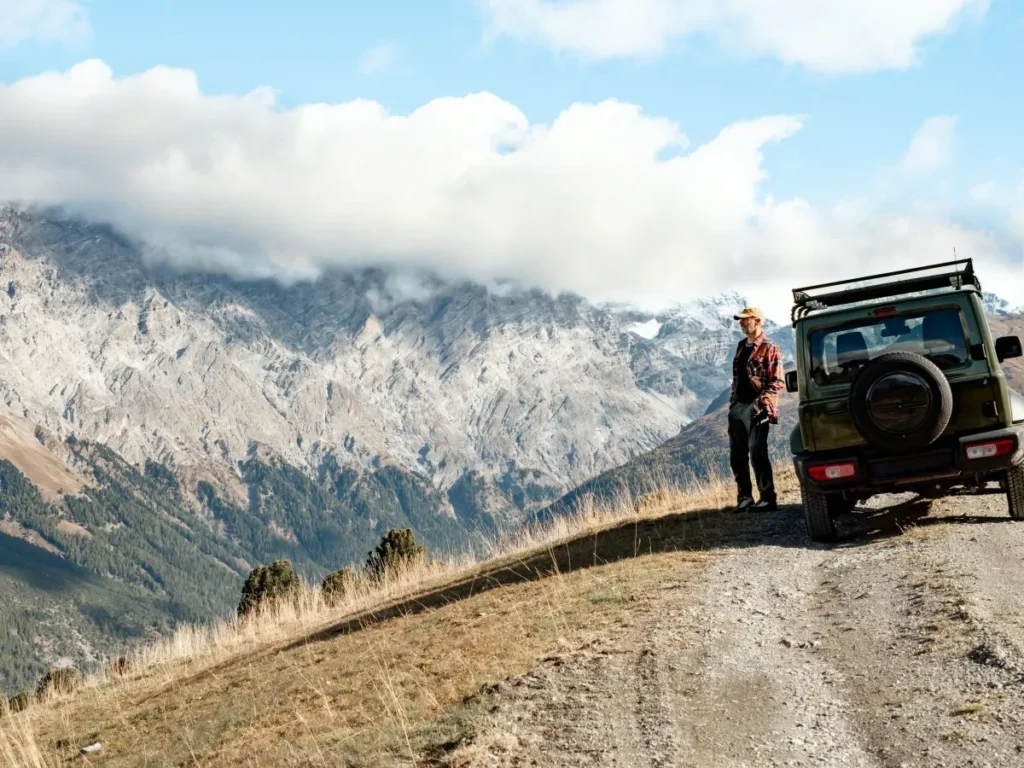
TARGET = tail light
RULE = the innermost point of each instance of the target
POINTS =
(991, 448)
(822, 473)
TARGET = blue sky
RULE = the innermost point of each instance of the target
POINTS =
(309, 51)
(858, 125)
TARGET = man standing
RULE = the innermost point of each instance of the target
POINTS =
(753, 407)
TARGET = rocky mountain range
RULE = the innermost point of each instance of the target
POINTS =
(498, 389)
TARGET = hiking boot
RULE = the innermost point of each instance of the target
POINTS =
(743, 505)
(766, 506)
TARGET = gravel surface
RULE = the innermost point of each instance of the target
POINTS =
(901, 646)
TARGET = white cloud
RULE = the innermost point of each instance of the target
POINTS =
(381, 58)
(931, 148)
(1017, 219)
(826, 35)
(984, 192)
(606, 200)
(47, 20)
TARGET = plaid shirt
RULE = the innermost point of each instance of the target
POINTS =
(765, 371)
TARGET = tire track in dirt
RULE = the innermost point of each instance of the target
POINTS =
(935, 683)
(606, 703)
(891, 649)
(653, 719)
(753, 697)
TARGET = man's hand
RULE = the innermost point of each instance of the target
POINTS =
(759, 417)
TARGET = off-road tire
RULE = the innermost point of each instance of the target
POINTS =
(1015, 491)
(892, 362)
(820, 512)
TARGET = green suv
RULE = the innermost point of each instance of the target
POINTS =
(900, 390)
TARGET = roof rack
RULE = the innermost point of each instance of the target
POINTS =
(961, 274)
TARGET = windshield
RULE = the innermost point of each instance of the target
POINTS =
(838, 354)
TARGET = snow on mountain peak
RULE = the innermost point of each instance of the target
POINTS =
(647, 330)
(712, 313)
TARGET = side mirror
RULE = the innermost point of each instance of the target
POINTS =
(1007, 347)
(791, 381)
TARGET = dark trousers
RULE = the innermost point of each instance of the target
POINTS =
(749, 445)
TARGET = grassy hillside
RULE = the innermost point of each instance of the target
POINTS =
(178, 556)
(387, 676)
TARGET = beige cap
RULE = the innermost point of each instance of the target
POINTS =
(750, 312)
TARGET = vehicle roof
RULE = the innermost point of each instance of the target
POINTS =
(930, 280)
(843, 312)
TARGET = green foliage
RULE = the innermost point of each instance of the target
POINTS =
(161, 475)
(469, 497)
(46, 596)
(397, 549)
(267, 584)
(156, 557)
(522, 488)
(493, 507)
(59, 681)
(141, 536)
(150, 563)
(334, 517)
(338, 584)
(404, 500)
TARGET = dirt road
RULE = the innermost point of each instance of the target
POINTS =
(903, 646)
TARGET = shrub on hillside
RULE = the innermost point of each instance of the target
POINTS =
(338, 584)
(59, 681)
(122, 666)
(269, 584)
(397, 549)
(20, 702)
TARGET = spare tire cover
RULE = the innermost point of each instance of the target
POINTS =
(901, 400)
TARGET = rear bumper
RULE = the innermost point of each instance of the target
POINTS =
(947, 463)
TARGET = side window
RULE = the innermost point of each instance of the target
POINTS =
(943, 338)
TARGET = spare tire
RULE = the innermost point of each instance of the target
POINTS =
(901, 401)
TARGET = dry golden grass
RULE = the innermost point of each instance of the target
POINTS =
(375, 679)
(17, 742)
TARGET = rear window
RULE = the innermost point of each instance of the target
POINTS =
(838, 354)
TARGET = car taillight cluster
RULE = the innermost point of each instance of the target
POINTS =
(824, 472)
(990, 449)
